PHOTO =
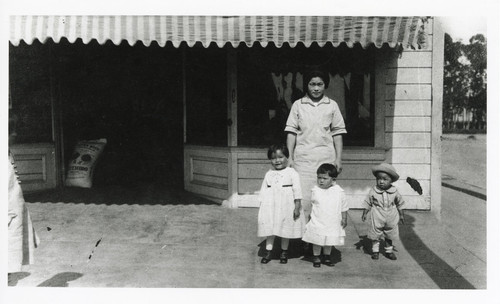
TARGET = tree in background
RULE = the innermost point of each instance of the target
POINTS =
(464, 95)
(455, 82)
(475, 52)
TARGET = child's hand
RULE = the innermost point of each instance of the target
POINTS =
(363, 217)
(296, 214)
(338, 165)
(343, 223)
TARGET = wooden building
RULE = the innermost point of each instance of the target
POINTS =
(236, 78)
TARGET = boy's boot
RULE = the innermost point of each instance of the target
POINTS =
(389, 253)
(389, 250)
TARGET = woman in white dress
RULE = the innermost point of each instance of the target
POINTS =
(314, 133)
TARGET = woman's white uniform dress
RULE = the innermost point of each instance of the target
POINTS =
(315, 124)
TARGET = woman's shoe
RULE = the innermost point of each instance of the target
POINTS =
(284, 257)
(316, 261)
(375, 256)
(267, 258)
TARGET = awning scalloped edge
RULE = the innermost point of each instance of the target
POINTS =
(409, 32)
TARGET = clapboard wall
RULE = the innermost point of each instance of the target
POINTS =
(408, 119)
(35, 164)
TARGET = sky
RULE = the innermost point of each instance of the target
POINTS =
(464, 27)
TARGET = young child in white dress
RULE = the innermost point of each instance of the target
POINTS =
(384, 203)
(328, 215)
(280, 212)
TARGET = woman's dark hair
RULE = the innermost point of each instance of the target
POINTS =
(328, 169)
(316, 73)
(274, 148)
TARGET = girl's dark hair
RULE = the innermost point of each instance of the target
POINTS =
(272, 149)
(328, 169)
(316, 73)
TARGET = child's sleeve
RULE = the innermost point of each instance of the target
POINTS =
(398, 200)
(367, 203)
(313, 197)
(297, 190)
(343, 202)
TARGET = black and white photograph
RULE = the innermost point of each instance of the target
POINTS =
(243, 153)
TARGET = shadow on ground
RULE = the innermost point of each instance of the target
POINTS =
(140, 193)
(61, 279)
(445, 276)
(296, 249)
(15, 277)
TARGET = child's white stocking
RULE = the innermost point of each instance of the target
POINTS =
(327, 250)
(269, 242)
(316, 250)
(284, 243)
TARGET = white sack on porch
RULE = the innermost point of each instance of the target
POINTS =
(405, 31)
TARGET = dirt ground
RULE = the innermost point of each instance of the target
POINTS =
(464, 158)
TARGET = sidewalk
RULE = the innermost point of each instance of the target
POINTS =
(464, 165)
(165, 246)
(452, 183)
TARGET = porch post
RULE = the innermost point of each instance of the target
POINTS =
(184, 119)
(232, 100)
(437, 115)
(57, 125)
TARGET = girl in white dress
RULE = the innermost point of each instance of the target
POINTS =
(328, 215)
(280, 212)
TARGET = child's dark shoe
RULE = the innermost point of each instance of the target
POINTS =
(316, 261)
(266, 257)
(306, 247)
(284, 257)
(391, 256)
(375, 256)
(328, 261)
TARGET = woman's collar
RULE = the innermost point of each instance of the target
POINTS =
(307, 99)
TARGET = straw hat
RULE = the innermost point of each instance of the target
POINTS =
(386, 168)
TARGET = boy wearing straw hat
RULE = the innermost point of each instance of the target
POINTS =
(384, 202)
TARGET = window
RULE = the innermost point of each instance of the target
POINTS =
(29, 92)
(206, 89)
(270, 80)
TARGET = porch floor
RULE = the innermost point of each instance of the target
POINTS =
(112, 237)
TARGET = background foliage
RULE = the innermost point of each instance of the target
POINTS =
(464, 95)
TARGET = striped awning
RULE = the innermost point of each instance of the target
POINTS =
(404, 31)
